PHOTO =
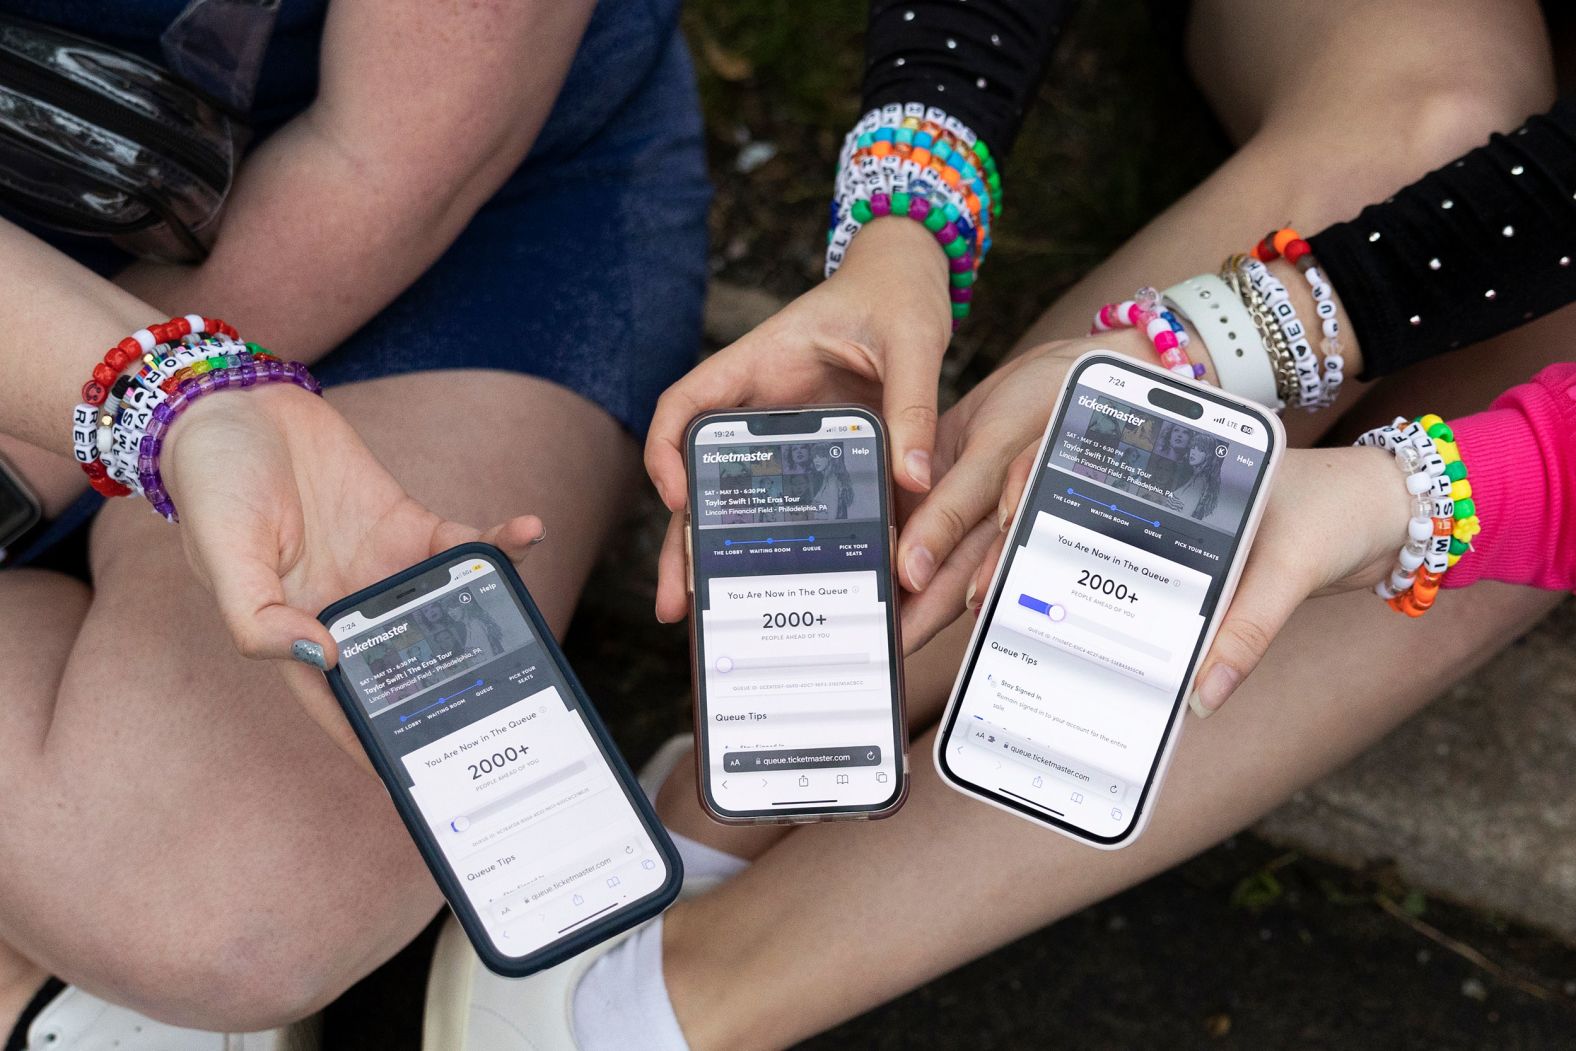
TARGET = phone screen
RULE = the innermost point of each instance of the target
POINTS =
(1121, 550)
(488, 741)
(798, 701)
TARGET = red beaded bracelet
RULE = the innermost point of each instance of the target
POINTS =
(141, 343)
(138, 345)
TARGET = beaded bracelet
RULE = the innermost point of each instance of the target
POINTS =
(134, 397)
(918, 156)
(1164, 329)
(910, 148)
(888, 154)
(1281, 360)
(151, 346)
(1289, 243)
(142, 342)
(1310, 387)
(863, 180)
(1444, 518)
(190, 390)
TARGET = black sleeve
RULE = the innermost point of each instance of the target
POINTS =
(1475, 249)
(980, 60)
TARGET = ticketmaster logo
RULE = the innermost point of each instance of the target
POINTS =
(1110, 410)
(755, 457)
(364, 644)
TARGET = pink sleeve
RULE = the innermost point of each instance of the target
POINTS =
(1521, 461)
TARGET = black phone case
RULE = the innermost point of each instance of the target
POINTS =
(571, 946)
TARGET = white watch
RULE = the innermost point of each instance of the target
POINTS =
(1241, 360)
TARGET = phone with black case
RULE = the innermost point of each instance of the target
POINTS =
(533, 825)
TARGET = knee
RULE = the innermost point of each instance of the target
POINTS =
(239, 973)
(1440, 121)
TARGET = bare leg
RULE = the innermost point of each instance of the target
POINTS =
(41, 613)
(243, 870)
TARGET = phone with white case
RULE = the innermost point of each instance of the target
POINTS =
(1123, 556)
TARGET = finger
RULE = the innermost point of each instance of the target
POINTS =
(673, 574)
(1266, 597)
(909, 400)
(980, 585)
(262, 624)
(928, 613)
(966, 494)
(1013, 485)
(516, 537)
(713, 384)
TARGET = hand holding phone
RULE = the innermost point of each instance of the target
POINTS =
(1141, 503)
(531, 822)
(797, 659)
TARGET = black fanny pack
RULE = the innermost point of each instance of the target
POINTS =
(96, 140)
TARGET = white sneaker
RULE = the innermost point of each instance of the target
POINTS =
(76, 1021)
(471, 1009)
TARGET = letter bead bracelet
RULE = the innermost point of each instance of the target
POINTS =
(1444, 517)
(119, 428)
(916, 161)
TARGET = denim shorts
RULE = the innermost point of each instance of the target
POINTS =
(588, 266)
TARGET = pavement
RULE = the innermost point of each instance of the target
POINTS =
(1474, 798)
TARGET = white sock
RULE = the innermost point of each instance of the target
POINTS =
(622, 1001)
(700, 861)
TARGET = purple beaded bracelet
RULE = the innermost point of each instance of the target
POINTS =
(164, 416)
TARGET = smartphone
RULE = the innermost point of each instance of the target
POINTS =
(1124, 553)
(20, 510)
(793, 627)
(534, 828)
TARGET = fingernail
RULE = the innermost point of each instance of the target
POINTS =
(1001, 520)
(918, 464)
(968, 596)
(539, 539)
(1198, 706)
(1217, 686)
(308, 652)
(921, 565)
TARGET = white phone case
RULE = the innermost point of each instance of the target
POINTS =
(1228, 590)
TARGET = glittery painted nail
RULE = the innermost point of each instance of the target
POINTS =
(308, 652)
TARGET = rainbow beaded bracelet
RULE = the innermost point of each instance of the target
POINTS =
(1444, 517)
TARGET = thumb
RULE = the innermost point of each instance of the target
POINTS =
(263, 625)
(1265, 600)
(909, 405)
(514, 538)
